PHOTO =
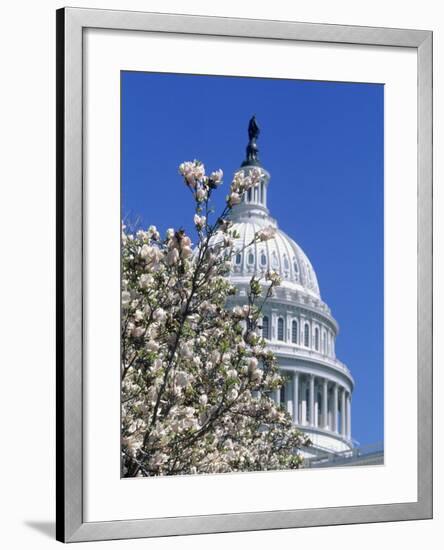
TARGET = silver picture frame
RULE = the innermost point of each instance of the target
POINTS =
(71, 24)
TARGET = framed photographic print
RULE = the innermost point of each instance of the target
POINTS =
(244, 271)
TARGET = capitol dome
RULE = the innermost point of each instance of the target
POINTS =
(296, 323)
(280, 254)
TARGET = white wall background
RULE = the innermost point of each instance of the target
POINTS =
(27, 121)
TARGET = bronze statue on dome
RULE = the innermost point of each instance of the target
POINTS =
(252, 148)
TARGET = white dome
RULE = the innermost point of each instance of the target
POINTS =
(296, 324)
(280, 254)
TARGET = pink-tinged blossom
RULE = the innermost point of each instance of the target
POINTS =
(199, 222)
(137, 332)
(234, 198)
(145, 280)
(151, 254)
(216, 177)
(186, 252)
(172, 256)
(192, 172)
(267, 233)
(152, 345)
(201, 194)
(255, 175)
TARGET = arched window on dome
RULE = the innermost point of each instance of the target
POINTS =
(238, 258)
(316, 339)
(306, 335)
(250, 257)
(294, 332)
(265, 327)
(324, 342)
(249, 194)
(280, 330)
(263, 259)
(286, 262)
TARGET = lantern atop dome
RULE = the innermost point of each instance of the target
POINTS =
(254, 201)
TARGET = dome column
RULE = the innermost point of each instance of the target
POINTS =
(348, 415)
(343, 414)
(303, 418)
(335, 408)
(296, 398)
(316, 417)
(325, 404)
(311, 400)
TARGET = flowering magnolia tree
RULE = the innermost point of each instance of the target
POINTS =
(196, 376)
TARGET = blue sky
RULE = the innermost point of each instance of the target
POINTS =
(323, 144)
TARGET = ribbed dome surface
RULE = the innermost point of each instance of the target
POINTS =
(279, 254)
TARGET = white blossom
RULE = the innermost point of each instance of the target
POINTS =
(138, 315)
(273, 276)
(137, 332)
(216, 177)
(199, 221)
(152, 345)
(266, 234)
(151, 254)
(192, 172)
(201, 194)
(172, 256)
(186, 351)
(159, 314)
(239, 311)
(145, 280)
(234, 198)
(182, 379)
(203, 399)
(232, 394)
(154, 234)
